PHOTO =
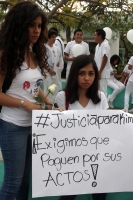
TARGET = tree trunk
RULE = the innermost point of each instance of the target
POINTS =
(68, 34)
(125, 46)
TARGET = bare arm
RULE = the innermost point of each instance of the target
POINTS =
(104, 61)
(66, 55)
(52, 72)
(117, 76)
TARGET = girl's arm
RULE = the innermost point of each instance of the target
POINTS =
(66, 55)
(117, 76)
(104, 61)
(45, 99)
(8, 101)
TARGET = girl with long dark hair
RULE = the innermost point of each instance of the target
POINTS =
(81, 93)
(22, 70)
(82, 86)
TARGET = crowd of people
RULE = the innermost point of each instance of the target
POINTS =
(32, 56)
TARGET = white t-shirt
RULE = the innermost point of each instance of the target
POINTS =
(130, 62)
(60, 45)
(69, 47)
(126, 69)
(100, 51)
(24, 86)
(53, 56)
(61, 100)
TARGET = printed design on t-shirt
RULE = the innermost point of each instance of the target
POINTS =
(26, 85)
(38, 82)
(35, 89)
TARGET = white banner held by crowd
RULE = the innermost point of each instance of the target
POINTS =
(80, 152)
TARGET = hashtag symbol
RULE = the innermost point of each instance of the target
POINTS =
(42, 119)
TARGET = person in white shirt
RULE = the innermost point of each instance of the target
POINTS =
(126, 73)
(54, 62)
(78, 36)
(129, 86)
(60, 45)
(113, 82)
(102, 58)
(22, 70)
(81, 93)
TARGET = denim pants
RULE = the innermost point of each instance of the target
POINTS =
(15, 143)
(99, 196)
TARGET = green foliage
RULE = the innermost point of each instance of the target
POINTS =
(116, 14)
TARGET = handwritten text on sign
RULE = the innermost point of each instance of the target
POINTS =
(78, 152)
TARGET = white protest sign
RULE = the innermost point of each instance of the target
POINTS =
(80, 152)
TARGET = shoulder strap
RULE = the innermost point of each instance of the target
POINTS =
(66, 97)
(61, 46)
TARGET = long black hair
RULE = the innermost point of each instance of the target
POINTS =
(14, 39)
(72, 86)
(113, 58)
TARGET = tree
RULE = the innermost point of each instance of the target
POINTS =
(90, 14)
(85, 14)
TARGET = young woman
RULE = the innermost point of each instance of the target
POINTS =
(23, 58)
(81, 93)
(113, 82)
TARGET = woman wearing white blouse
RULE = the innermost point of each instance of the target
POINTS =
(81, 93)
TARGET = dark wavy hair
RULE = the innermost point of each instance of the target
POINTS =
(72, 86)
(14, 38)
(113, 58)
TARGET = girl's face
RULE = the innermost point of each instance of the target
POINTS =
(86, 77)
(115, 62)
(35, 30)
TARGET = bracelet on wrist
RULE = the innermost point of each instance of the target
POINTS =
(21, 104)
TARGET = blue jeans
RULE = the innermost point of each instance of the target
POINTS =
(15, 143)
(99, 196)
